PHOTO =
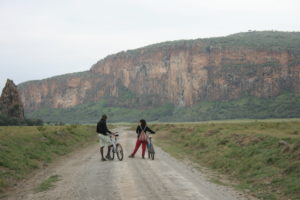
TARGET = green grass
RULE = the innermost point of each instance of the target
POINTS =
(246, 151)
(26, 148)
(47, 184)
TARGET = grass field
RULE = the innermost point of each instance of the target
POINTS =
(26, 148)
(262, 157)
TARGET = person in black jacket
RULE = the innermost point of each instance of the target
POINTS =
(142, 127)
(104, 139)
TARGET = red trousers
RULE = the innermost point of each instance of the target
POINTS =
(137, 146)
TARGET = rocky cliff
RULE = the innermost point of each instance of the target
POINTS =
(261, 64)
(10, 101)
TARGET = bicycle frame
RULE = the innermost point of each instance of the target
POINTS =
(114, 141)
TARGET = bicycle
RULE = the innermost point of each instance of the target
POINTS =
(150, 148)
(116, 148)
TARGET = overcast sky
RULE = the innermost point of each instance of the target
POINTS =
(43, 38)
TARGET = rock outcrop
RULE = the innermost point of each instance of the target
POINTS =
(10, 101)
(180, 72)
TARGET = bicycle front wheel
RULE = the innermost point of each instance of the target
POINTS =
(119, 151)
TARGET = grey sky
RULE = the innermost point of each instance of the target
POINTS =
(43, 38)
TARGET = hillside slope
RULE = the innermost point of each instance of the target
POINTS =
(181, 73)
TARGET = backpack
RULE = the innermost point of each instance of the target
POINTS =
(143, 137)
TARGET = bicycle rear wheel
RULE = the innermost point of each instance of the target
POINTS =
(152, 155)
(112, 155)
(152, 152)
(105, 152)
(119, 151)
(149, 147)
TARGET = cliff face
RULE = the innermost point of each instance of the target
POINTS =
(183, 73)
(10, 102)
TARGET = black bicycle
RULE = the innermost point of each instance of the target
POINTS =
(150, 148)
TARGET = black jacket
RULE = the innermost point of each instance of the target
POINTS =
(102, 128)
(139, 130)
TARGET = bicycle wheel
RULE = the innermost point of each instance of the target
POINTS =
(112, 154)
(149, 147)
(152, 155)
(119, 151)
(105, 150)
(152, 152)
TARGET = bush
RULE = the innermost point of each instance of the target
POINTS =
(12, 121)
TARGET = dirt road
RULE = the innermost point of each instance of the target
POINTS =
(85, 177)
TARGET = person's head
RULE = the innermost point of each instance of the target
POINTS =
(143, 122)
(104, 117)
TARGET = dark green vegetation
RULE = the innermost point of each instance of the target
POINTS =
(47, 184)
(286, 105)
(257, 40)
(262, 156)
(12, 121)
(283, 106)
(91, 113)
(260, 40)
(26, 148)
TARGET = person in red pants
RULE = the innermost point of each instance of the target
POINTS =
(139, 129)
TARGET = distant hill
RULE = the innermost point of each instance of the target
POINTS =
(245, 75)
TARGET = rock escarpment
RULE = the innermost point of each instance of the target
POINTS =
(10, 101)
(261, 64)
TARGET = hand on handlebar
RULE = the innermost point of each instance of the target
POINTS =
(114, 134)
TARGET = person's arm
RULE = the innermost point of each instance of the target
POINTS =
(98, 128)
(106, 129)
(137, 130)
(148, 129)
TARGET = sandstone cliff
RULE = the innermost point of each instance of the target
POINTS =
(10, 102)
(261, 64)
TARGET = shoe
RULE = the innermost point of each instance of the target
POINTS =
(108, 157)
(143, 157)
(103, 159)
(131, 156)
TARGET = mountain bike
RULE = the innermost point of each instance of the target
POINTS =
(150, 148)
(116, 148)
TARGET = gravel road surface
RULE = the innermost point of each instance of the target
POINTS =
(85, 177)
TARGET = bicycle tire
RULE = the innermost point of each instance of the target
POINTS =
(112, 155)
(152, 152)
(148, 149)
(105, 153)
(152, 156)
(119, 151)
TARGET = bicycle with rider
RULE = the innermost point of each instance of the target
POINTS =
(104, 137)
